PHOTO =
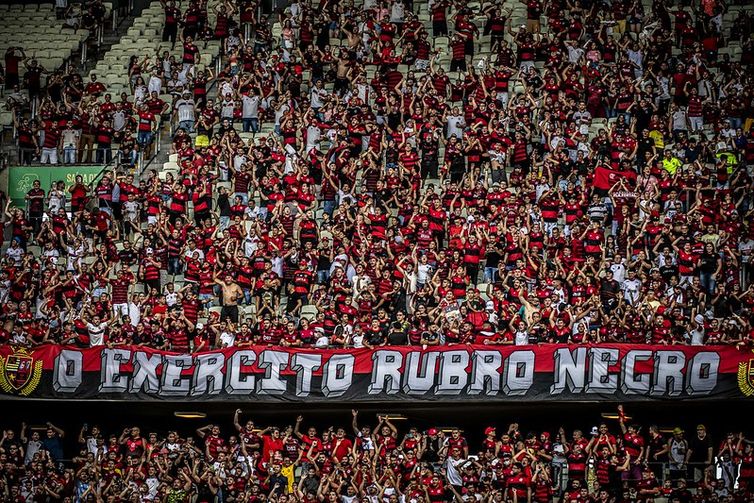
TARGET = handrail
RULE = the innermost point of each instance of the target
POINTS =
(106, 168)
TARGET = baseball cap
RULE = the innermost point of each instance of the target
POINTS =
(432, 431)
(489, 430)
(677, 431)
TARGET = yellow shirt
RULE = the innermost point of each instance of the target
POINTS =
(657, 138)
(288, 472)
(671, 165)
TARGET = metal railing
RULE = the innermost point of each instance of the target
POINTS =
(692, 472)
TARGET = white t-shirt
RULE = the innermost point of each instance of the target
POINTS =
(185, 109)
(250, 107)
(15, 254)
(451, 471)
(171, 298)
(317, 97)
(423, 273)
(397, 13)
(313, 135)
(96, 334)
(696, 336)
(226, 109)
(631, 289)
(619, 272)
(456, 124)
(134, 313)
(227, 339)
(746, 248)
(155, 84)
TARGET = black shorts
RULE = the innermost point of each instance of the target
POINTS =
(229, 312)
(457, 65)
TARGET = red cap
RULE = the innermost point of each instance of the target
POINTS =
(432, 431)
(489, 430)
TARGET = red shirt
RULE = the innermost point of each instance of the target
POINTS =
(146, 118)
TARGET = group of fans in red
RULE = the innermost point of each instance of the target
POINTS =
(623, 463)
(587, 180)
(349, 183)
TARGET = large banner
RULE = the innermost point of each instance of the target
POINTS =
(21, 178)
(450, 373)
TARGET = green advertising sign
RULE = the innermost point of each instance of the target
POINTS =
(21, 178)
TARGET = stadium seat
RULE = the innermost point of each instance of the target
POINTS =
(309, 311)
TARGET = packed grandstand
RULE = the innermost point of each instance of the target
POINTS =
(370, 459)
(386, 174)
(546, 186)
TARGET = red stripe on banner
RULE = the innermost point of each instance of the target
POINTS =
(460, 372)
(730, 357)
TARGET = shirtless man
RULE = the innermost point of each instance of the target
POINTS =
(231, 294)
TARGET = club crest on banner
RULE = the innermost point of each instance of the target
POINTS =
(746, 377)
(19, 372)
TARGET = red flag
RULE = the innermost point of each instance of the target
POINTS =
(605, 178)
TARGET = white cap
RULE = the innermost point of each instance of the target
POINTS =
(699, 319)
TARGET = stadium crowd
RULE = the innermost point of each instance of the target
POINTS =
(588, 180)
(291, 464)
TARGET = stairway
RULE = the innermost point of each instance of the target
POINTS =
(111, 37)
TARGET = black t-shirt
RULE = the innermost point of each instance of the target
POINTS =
(708, 262)
(609, 289)
(668, 271)
(223, 204)
(700, 448)
(493, 257)
(655, 445)
(643, 115)
(397, 335)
